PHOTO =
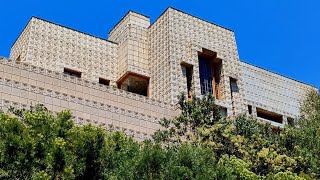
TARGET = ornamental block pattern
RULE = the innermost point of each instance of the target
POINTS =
(160, 52)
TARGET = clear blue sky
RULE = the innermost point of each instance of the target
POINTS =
(279, 35)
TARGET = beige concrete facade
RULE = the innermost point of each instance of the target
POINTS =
(159, 61)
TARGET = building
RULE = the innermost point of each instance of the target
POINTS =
(132, 80)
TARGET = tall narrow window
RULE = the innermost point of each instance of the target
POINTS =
(210, 72)
(72, 72)
(205, 76)
(233, 85)
(187, 70)
(216, 68)
(189, 81)
(250, 109)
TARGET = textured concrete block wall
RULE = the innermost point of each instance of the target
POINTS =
(20, 47)
(22, 85)
(188, 35)
(131, 34)
(159, 63)
(51, 46)
(272, 92)
(156, 51)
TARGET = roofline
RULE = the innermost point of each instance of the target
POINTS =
(75, 30)
(159, 16)
(279, 74)
(191, 16)
(62, 27)
(124, 17)
(20, 33)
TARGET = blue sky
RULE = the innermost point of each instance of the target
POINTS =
(281, 36)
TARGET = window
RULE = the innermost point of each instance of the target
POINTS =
(250, 109)
(233, 85)
(188, 72)
(189, 81)
(224, 112)
(210, 72)
(205, 76)
(269, 115)
(104, 81)
(72, 72)
(290, 121)
(134, 83)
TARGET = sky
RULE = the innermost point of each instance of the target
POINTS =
(281, 36)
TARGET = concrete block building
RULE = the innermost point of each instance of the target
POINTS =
(132, 79)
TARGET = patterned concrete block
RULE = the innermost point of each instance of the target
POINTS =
(163, 51)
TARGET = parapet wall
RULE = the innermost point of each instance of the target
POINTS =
(22, 85)
(273, 92)
(51, 46)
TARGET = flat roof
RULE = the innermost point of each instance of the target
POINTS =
(62, 27)
(278, 74)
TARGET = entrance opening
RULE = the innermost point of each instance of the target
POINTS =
(269, 115)
(72, 72)
(134, 83)
(210, 73)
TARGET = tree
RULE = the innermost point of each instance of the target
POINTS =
(200, 112)
(198, 144)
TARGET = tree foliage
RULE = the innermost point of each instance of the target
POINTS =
(198, 144)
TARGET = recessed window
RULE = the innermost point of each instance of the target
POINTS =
(262, 113)
(223, 111)
(210, 72)
(250, 109)
(104, 81)
(234, 85)
(72, 72)
(290, 121)
(134, 83)
(187, 71)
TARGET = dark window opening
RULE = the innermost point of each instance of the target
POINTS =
(189, 81)
(210, 72)
(223, 112)
(233, 85)
(72, 72)
(269, 115)
(216, 68)
(188, 75)
(104, 81)
(205, 76)
(135, 83)
(250, 109)
(290, 121)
